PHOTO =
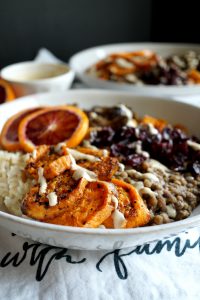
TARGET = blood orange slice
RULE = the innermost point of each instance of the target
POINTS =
(6, 92)
(53, 125)
(9, 134)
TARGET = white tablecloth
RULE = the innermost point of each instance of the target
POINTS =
(168, 269)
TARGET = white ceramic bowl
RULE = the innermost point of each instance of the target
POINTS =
(81, 61)
(35, 77)
(94, 239)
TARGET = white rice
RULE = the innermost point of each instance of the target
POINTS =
(12, 187)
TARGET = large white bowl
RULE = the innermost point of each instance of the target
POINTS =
(81, 61)
(93, 239)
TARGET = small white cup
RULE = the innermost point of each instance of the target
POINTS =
(35, 77)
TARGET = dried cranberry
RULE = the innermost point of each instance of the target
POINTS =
(169, 147)
(122, 149)
(143, 134)
(119, 150)
(181, 147)
(102, 138)
(162, 148)
(178, 135)
(125, 133)
(177, 162)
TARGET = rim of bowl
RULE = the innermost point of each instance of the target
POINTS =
(184, 224)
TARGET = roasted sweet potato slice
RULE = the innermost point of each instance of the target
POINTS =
(36, 206)
(102, 64)
(194, 75)
(57, 166)
(104, 169)
(52, 163)
(89, 210)
(81, 204)
(131, 205)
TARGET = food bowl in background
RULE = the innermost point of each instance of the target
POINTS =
(83, 60)
(36, 77)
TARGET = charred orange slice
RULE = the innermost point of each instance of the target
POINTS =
(131, 205)
(53, 125)
(9, 134)
(6, 92)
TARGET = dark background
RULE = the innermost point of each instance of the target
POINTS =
(66, 26)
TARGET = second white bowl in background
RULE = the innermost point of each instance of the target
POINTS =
(83, 60)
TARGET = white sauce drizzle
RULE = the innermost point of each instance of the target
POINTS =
(79, 155)
(147, 191)
(34, 154)
(105, 152)
(149, 176)
(88, 145)
(53, 199)
(73, 163)
(123, 63)
(152, 129)
(111, 186)
(42, 181)
(84, 173)
(131, 78)
(195, 146)
(138, 149)
(117, 216)
(118, 219)
(121, 167)
(115, 201)
(94, 115)
(81, 172)
(102, 227)
(127, 112)
(58, 147)
(137, 131)
(131, 123)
